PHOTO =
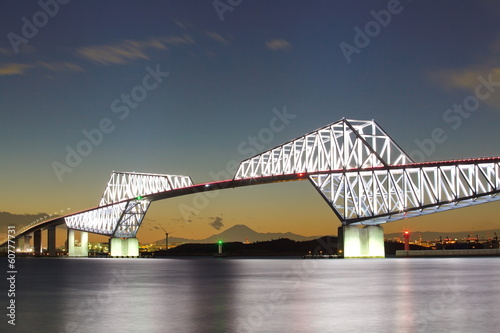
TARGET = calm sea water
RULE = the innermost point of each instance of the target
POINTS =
(256, 295)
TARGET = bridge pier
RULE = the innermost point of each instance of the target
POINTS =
(366, 242)
(77, 251)
(51, 240)
(124, 247)
(26, 243)
(37, 242)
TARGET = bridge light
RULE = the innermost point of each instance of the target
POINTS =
(138, 198)
(301, 175)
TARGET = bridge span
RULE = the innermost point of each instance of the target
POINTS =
(360, 172)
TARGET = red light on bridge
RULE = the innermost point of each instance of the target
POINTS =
(301, 175)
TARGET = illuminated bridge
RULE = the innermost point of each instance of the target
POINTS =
(360, 172)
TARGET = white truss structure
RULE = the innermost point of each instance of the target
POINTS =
(122, 207)
(394, 193)
(366, 178)
(102, 220)
(128, 185)
(345, 144)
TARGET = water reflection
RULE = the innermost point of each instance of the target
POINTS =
(258, 295)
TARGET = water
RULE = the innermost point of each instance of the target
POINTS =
(256, 295)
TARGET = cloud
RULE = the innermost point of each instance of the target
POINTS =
(129, 50)
(24, 49)
(216, 223)
(278, 44)
(13, 69)
(20, 220)
(20, 69)
(468, 78)
(217, 37)
(6, 51)
(61, 66)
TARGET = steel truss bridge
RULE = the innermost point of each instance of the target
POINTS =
(358, 169)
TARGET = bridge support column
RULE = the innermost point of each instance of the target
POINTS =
(37, 242)
(51, 240)
(78, 251)
(26, 244)
(126, 247)
(367, 242)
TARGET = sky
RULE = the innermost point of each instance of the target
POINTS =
(181, 87)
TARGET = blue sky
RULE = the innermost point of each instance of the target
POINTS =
(225, 78)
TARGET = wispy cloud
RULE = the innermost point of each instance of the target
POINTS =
(13, 69)
(24, 49)
(278, 44)
(468, 77)
(20, 69)
(129, 50)
(217, 37)
(6, 51)
(61, 66)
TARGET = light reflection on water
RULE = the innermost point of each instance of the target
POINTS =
(257, 295)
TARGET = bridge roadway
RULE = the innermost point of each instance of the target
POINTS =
(234, 183)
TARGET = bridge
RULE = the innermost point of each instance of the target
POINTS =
(355, 166)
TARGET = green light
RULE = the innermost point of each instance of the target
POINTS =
(220, 242)
(139, 198)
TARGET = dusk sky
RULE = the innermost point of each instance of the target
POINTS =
(179, 87)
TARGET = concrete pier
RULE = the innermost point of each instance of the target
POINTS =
(26, 244)
(51, 240)
(124, 247)
(37, 242)
(78, 251)
(366, 242)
